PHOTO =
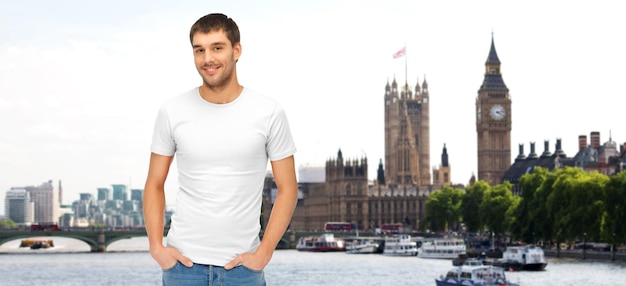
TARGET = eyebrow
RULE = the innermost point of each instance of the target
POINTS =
(211, 45)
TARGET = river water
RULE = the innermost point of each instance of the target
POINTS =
(129, 263)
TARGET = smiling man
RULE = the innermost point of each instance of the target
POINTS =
(222, 135)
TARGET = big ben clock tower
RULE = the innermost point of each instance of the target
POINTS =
(493, 122)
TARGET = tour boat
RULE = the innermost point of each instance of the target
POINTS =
(529, 257)
(447, 248)
(474, 273)
(400, 245)
(323, 243)
(362, 246)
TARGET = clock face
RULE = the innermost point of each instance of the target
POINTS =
(478, 113)
(497, 112)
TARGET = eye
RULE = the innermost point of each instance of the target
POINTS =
(198, 51)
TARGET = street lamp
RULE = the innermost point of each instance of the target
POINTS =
(613, 249)
(584, 246)
(558, 244)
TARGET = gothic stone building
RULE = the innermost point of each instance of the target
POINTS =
(399, 192)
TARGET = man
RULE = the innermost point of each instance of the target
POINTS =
(222, 135)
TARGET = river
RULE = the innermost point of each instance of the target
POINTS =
(129, 263)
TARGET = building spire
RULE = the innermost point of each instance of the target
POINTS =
(493, 55)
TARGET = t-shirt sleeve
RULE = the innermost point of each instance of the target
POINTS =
(162, 138)
(280, 144)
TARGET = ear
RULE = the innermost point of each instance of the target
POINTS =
(237, 51)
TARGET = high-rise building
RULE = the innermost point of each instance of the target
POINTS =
(46, 202)
(120, 192)
(18, 206)
(104, 194)
(136, 194)
(493, 122)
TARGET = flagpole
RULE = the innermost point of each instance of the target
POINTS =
(406, 77)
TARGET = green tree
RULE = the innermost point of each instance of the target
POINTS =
(542, 221)
(497, 208)
(529, 184)
(470, 206)
(442, 209)
(577, 203)
(614, 224)
(7, 223)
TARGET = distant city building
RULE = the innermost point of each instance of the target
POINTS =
(120, 192)
(607, 158)
(104, 194)
(112, 208)
(136, 194)
(46, 202)
(18, 206)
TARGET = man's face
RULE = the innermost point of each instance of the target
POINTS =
(215, 58)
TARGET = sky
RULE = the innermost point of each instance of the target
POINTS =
(81, 81)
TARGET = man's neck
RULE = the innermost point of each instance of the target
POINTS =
(220, 95)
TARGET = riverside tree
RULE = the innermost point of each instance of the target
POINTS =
(470, 206)
(497, 208)
(442, 209)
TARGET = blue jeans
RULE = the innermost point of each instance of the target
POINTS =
(209, 275)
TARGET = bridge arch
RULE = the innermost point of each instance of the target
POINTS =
(98, 240)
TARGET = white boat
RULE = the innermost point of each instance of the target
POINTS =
(323, 243)
(400, 245)
(362, 246)
(474, 273)
(446, 248)
(529, 257)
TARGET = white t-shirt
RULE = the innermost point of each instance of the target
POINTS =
(221, 152)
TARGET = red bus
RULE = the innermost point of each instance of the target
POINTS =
(44, 227)
(339, 226)
(391, 227)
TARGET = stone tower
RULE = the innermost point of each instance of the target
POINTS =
(407, 136)
(493, 122)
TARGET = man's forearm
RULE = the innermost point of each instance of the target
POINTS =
(154, 209)
(280, 218)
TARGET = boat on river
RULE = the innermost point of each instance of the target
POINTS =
(446, 248)
(323, 243)
(528, 257)
(362, 246)
(37, 243)
(400, 245)
(474, 273)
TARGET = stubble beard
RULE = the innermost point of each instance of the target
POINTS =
(218, 82)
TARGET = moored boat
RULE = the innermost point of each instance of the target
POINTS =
(473, 273)
(362, 246)
(528, 257)
(400, 245)
(447, 248)
(323, 243)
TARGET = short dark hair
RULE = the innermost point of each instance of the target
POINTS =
(215, 22)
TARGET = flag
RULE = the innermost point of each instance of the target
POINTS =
(399, 53)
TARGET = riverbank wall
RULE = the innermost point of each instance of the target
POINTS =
(584, 255)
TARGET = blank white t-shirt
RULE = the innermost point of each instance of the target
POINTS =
(221, 152)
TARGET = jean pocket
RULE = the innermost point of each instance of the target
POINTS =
(250, 269)
(172, 267)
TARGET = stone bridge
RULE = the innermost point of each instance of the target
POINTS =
(99, 239)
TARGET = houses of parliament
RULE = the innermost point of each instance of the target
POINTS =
(403, 182)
